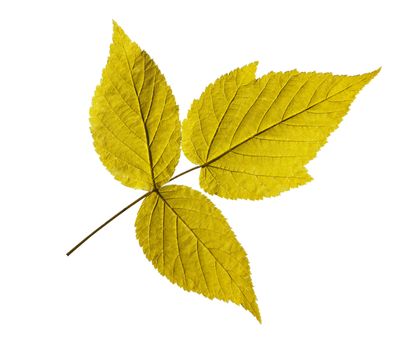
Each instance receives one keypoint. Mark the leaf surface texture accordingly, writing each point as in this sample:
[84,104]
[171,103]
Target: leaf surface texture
[253,137]
[190,242]
[134,117]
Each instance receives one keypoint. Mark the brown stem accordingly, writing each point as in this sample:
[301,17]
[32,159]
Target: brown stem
[184,172]
[123,210]
[107,222]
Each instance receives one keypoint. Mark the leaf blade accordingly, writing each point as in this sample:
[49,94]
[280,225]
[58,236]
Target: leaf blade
[273,127]
[189,241]
[134,117]
[218,97]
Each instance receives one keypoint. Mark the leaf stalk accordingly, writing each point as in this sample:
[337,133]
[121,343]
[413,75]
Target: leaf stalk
[123,210]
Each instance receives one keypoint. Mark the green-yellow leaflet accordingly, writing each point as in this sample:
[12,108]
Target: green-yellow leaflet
[250,137]
[253,137]
[134,117]
[189,241]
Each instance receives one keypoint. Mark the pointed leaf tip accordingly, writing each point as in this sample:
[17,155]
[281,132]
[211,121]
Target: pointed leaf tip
[116,27]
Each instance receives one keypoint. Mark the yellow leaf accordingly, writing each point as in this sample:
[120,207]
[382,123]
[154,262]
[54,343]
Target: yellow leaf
[134,117]
[190,242]
[253,137]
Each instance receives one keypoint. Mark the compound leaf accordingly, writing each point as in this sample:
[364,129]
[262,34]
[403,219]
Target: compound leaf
[190,242]
[253,137]
[134,117]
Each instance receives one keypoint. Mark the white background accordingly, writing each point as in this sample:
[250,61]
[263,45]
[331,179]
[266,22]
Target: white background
[334,262]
